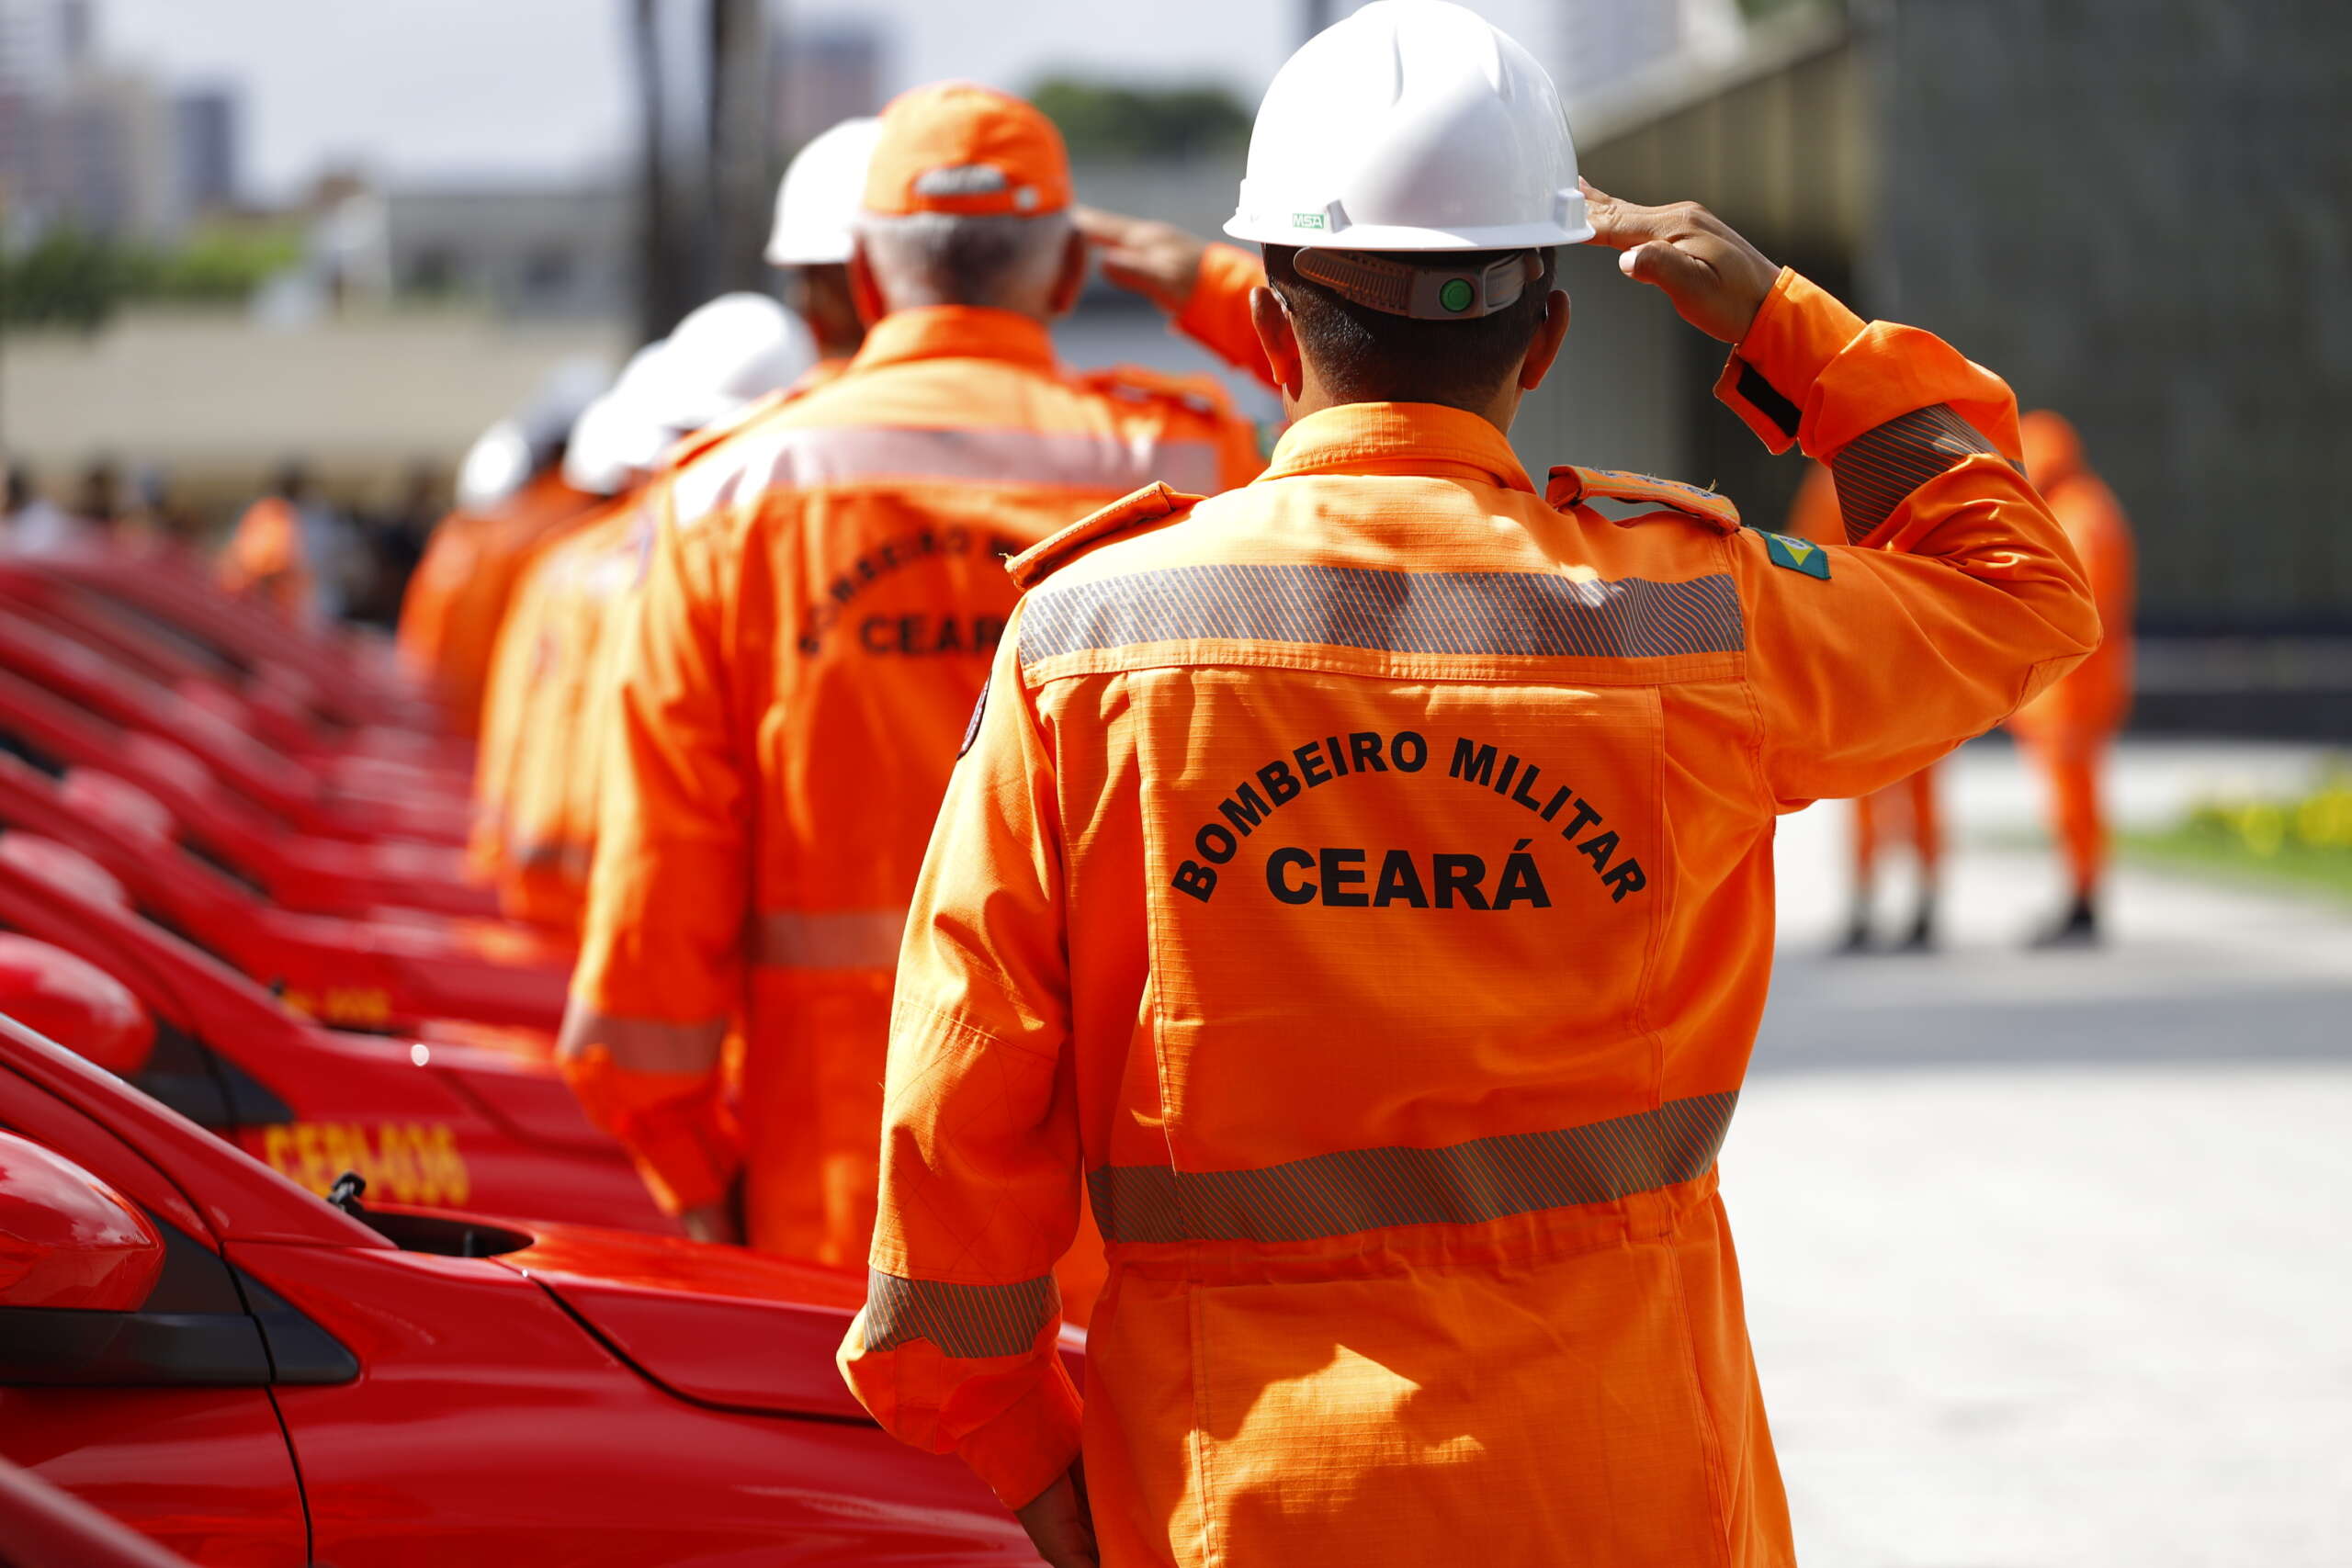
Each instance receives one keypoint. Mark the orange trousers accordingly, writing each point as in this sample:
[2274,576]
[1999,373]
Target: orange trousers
[1907,809]
[2072,762]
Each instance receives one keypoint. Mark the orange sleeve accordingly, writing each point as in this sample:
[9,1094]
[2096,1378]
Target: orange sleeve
[1958,598]
[1218,316]
[955,1350]
[660,966]
[505,726]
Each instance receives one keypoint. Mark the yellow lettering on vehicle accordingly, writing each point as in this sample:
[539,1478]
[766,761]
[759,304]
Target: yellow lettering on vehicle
[403,1162]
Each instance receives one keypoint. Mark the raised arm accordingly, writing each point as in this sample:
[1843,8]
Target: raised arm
[1955,597]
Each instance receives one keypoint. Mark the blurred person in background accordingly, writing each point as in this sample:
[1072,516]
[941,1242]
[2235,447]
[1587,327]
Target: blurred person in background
[816,205]
[1406,1151]
[825,590]
[2067,730]
[538,769]
[511,500]
[394,538]
[34,523]
[1908,810]
[294,550]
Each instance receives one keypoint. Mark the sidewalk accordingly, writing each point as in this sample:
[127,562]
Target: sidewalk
[2047,1254]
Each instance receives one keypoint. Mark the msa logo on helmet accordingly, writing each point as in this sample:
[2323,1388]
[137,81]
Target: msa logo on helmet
[1307,220]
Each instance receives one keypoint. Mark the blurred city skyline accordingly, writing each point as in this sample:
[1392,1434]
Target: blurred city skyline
[455,90]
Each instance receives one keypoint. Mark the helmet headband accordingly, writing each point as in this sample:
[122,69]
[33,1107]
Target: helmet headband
[1435,293]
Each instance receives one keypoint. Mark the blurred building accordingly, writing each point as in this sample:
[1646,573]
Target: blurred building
[110,151]
[2134,209]
[207,125]
[823,74]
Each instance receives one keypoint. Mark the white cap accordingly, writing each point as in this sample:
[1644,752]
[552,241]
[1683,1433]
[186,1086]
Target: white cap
[610,439]
[1412,125]
[729,351]
[496,466]
[819,195]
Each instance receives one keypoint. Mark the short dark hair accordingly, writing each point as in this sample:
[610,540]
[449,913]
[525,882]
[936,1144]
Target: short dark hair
[1370,356]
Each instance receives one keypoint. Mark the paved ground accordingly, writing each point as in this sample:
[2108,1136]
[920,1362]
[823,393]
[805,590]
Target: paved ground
[2049,1257]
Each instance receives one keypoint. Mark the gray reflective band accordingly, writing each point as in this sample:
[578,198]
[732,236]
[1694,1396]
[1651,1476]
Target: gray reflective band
[850,454]
[970,1321]
[1507,613]
[828,938]
[1367,1190]
[1882,465]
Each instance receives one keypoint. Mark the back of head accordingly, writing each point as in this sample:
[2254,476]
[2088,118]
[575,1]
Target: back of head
[1410,172]
[966,202]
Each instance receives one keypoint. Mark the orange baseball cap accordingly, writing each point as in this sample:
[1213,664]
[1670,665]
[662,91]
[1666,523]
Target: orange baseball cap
[961,148]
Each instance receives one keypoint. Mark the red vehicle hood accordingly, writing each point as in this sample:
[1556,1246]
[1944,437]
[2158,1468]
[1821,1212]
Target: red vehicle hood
[716,1324]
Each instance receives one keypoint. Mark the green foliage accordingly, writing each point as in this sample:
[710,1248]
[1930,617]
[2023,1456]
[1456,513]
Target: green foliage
[2306,840]
[1110,122]
[69,279]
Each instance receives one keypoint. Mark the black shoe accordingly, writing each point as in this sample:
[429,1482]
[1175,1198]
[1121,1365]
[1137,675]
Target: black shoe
[1856,938]
[2077,927]
[1921,937]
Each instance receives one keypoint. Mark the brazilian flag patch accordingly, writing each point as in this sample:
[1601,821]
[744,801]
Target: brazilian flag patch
[1797,555]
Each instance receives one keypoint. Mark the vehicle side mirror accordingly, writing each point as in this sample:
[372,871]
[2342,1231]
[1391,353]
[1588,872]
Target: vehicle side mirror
[93,1293]
[75,1003]
[67,1240]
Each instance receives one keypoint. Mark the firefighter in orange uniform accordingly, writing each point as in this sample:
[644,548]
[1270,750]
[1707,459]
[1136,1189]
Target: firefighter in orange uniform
[512,500]
[825,592]
[816,207]
[2067,730]
[1909,808]
[1360,884]
[289,550]
[538,777]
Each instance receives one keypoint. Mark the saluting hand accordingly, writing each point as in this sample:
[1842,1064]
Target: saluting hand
[1717,280]
[1158,261]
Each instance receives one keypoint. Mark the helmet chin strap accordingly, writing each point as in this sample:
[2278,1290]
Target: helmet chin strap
[1432,293]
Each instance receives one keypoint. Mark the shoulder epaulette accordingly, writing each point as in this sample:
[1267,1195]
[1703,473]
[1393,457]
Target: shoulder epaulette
[1047,556]
[1571,485]
[1201,394]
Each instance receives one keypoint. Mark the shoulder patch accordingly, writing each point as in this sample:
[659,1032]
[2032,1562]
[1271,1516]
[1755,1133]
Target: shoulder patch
[1135,383]
[1047,556]
[1571,485]
[1797,555]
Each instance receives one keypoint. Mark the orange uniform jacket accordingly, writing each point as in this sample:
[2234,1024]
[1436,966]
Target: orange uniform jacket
[536,772]
[1363,881]
[825,594]
[456,601]
[264,556]
[1815,515]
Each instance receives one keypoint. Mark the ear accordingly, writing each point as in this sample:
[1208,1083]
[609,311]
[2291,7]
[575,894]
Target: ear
[863,291]
[1278,336]
[1549,335]
[1071,278]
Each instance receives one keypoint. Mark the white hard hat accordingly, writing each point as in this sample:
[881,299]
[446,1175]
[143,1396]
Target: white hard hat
[494,466]
[609,440]
[563,394]
[819,195]
[736,348]
[1412,125]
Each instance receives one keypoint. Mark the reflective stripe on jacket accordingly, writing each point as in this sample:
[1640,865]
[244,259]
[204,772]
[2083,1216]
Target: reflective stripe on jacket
[825,592]
[1359,885]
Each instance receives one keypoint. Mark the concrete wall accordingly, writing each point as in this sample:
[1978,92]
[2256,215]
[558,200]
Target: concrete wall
[2140,212]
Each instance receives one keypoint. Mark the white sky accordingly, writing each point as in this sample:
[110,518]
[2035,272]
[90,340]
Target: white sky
[478,87]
